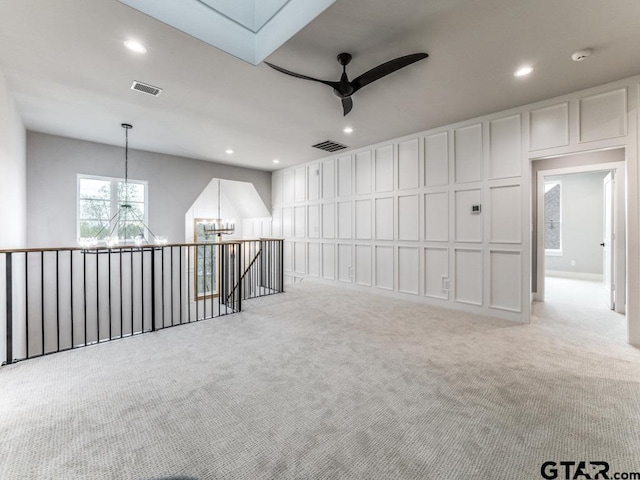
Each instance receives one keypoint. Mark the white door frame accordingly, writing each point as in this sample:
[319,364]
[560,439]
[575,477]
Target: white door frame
[619,248]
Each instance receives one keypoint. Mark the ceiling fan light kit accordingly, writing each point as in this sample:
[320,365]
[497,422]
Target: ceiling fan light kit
[344,88]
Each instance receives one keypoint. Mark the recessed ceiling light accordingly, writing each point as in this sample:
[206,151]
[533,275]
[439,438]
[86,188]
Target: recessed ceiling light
[276,161]
[347,130]
[135,46]
[228,151]
[523,71]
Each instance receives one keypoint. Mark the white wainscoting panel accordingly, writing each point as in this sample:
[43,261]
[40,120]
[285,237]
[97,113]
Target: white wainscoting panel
[603,116]
[344,219]
[468,154]
[384,219]
[363,219]
[409,164]
[287,222]
[300,184]
[300,222]
[287,186]
[384,267]
[328,179]
[314,259]
[314,221]
[276,225]
[549,127]
[436,266]
[363,173]
[300,258]
[468,276]
[328,220]
[363,265]
[328,261]
[409,270]
[314,182]
[506,147]
[506,214]
[344,262]
[506,280]
[344,177]
[409,217]
[468,225]
[436,160]
[436,217]
[384,169]
[287,253]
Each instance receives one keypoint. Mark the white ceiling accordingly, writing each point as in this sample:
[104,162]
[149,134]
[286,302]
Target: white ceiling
[70,74]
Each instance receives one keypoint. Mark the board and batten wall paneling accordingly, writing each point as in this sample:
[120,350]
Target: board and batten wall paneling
[384,218]
[409,164]
[468,226]
[300,184]
[328,261]
[409,270]
[468,154]
[364,263]
[549,127]
[436,217]
[384,169]
[328,220]
[363,216]
[300,222]
[603,116]
[344,262]
[506,147]
[468,276]
[287,222]
[287,186]
[328,179]
[300,258]
[408,217]
[363,173]
[313,215]
[343,177]
[287,253]
[344,220]
[436,160]
[505,225]
[384,267]
[436,271]
[314,259]
[506,280]
[314,182]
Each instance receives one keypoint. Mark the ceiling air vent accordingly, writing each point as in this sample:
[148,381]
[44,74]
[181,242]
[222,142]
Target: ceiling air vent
[329,146]
[144,88]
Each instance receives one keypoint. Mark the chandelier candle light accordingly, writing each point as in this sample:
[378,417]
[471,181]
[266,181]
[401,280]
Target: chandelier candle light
[124,214]
[219,227]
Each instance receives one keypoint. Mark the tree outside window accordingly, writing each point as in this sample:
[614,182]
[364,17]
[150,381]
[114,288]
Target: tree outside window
[99,201]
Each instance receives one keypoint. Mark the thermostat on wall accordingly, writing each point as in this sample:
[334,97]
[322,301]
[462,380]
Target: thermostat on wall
[475,209]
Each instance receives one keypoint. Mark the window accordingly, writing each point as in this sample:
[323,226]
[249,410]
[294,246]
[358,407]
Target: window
[553,218]
[206,261]
[107,207]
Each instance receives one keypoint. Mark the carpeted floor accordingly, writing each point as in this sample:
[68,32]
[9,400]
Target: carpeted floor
[327,383]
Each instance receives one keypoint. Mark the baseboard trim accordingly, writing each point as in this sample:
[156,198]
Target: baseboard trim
[576,275]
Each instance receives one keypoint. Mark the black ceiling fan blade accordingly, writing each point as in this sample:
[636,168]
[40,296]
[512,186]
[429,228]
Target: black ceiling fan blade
[304,77]
[386,69]
[347,105]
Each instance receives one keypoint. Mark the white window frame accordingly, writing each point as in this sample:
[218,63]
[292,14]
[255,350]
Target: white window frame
[554,252]
[114,197]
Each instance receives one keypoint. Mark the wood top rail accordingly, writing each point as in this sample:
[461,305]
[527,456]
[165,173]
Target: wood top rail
[150,246]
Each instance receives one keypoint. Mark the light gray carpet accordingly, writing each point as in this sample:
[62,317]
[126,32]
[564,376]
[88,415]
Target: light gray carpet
[325,383]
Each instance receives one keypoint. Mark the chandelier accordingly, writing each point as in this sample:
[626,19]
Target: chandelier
[125,215]
[219,227]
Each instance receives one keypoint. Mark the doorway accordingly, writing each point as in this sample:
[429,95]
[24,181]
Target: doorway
[579,231]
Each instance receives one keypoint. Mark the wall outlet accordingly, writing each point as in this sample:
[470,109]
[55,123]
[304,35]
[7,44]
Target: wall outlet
[573,263]
[445,283]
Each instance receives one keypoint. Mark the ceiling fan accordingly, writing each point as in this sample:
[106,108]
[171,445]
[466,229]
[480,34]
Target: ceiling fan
[345,88]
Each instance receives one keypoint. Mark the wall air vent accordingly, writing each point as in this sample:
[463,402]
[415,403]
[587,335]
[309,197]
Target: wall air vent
[145,88]
[329,146]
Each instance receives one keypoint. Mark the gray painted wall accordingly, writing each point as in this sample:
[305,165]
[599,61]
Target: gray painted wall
[174,183]
[582,220]
[13,187]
